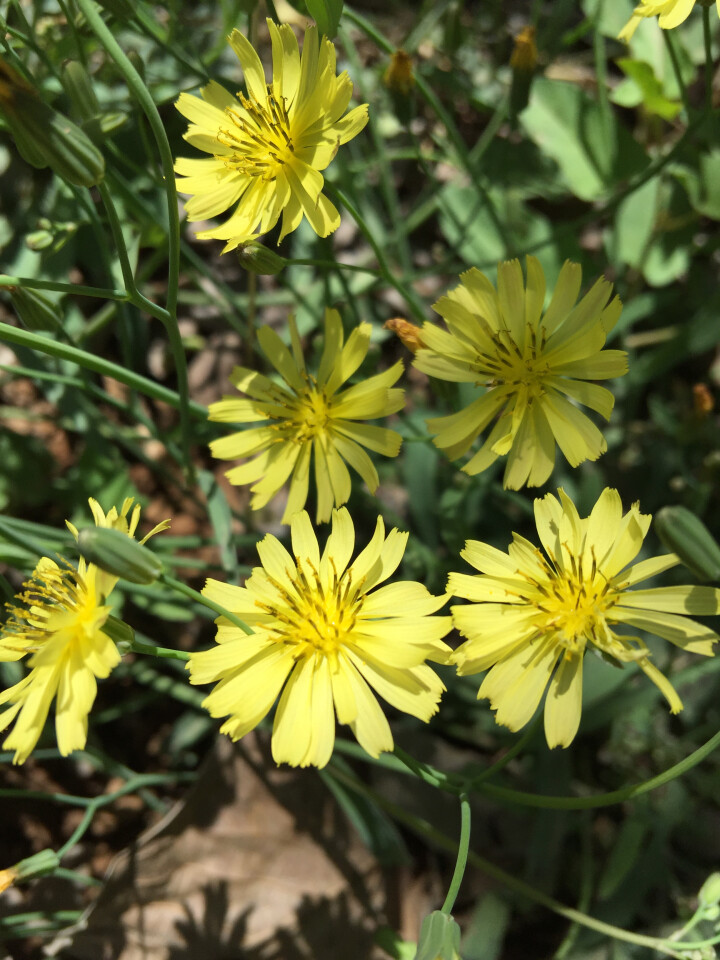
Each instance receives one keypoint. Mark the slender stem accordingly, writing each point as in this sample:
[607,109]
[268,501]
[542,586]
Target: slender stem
[462,855]
[26,338]
[603,799]
[142,95]
[428,832]
[187,591]
[416,307]
[672,52]
[149,649]
[709,64]
[79,830]
[119,238]
[73,288]
[426,773]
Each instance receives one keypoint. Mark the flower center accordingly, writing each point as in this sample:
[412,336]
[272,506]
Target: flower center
[301,416]
[56,598]
[574,605]
[507,363]
[259,137]
[312,618]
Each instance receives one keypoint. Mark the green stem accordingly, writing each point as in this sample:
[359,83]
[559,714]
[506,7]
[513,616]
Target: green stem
[672,52]
[426,773]
[709,65]
[425,830]
[142,95]
[150,650]
[63,351]
[164,316]
[462,855]
[73,288]
[603,799]
[187,591]
[416,307]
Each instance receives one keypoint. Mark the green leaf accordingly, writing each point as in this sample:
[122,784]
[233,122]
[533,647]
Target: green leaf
[326,14]
[648,90]
[593,151]
[634,223]
[487,928]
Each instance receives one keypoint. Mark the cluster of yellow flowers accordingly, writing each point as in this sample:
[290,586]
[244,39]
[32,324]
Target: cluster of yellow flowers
[329,632]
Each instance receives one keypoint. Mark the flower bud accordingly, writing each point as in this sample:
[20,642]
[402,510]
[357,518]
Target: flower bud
[399,76]
[35,311]
[44,137]
[255,258]
[408,332]
[45,861]
[687,536]
[77,85]
[118,554]
[710,891]
[523,62]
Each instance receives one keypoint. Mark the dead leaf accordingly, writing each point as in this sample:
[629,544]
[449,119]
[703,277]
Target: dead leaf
[256,863]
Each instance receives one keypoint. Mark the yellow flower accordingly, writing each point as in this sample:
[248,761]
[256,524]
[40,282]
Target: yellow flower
[309,415]
[533,616]
[527,360]
[58,619]
[670,13]
[269,146]
[324,636]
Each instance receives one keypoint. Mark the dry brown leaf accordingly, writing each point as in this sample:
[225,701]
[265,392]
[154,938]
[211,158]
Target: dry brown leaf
[256,863]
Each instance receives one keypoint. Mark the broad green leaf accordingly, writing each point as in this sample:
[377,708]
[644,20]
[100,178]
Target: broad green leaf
[593,151]
[634,223]
[643,82]
[326,13]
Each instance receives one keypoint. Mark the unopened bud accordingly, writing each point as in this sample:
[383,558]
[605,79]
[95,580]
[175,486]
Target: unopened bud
[255,258]
[524,55]
[35,311]
[45,137]
[710,890]
[408,332]
[76,83]
[118,554]
[523,62]
[687,536]
[399,76]
[703,400]
[39,864]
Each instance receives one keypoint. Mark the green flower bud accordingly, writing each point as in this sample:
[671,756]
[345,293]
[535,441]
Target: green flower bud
[687,536]
[35,311]
[118,554]
[45,861]
[710,891]
[44,137]
[76,83]
[255,258]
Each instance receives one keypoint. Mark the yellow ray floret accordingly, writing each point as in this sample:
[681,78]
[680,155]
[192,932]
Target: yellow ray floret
[670,13]
[534,364]
[268,145]
[309,418]
[533,615]
[59,621]
[324,638]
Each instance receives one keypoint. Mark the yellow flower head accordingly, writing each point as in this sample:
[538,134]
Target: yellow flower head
[58,620]
[534,615]
[670,13]
[533,364]
[269,145]
[309,416]
[324,636]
